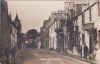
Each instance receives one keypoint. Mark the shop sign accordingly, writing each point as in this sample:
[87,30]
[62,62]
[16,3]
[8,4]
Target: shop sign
[87,26]
[58,30]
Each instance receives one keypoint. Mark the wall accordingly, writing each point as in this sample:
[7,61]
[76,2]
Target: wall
[94,12]
[13,36]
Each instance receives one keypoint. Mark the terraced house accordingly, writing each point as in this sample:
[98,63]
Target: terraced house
[83,28]
[77,25]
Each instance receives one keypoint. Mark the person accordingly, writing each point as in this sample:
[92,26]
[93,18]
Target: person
[85,51]
[13,51]
[81,51]
[6,53]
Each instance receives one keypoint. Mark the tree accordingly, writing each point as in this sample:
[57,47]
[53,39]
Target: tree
[31,34]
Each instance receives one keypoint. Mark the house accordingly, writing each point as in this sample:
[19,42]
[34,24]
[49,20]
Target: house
[44,34]
[54,23]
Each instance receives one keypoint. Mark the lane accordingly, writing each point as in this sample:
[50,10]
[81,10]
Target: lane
[37,56]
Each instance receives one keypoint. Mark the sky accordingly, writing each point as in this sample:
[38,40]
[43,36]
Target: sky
[33,13]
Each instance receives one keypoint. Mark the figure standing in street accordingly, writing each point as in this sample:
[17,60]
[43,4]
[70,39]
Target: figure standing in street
[85,51]
[13,51]
[6,53]
[81,50]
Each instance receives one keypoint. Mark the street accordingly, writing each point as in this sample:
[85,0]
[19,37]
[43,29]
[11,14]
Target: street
[38,56]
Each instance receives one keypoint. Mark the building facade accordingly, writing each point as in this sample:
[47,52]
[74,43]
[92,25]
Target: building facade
[13,30]
[82,28]
[44,34]
[55,23]
[4,27]
[76,26]
[19,28]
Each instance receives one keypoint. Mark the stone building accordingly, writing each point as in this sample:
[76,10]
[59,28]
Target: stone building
[19,28]
[4,27]
[13,31]
[9,29]
[5,35]
[0,22]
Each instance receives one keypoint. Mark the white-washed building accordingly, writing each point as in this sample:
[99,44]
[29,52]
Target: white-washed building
[88,26]
[54,23]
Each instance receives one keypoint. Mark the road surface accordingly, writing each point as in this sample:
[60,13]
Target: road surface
[37,56]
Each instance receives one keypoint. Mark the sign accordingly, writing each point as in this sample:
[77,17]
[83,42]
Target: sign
[58,30]
[87,26]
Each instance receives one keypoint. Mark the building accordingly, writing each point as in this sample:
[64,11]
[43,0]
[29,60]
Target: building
[55,23]
[4,27]
[0,24]
[9,30]
[5,35]
[44,34]
[38,42]
[19,28]
[13,31]
[24,38]
[83,28]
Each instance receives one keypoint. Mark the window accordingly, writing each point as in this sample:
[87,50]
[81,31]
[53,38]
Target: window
[83,18]
[58,24]
[55,24]
[83,38]
[99,39]
[72,14]
[90,14]
[99,9]
[51,28]
[65,40]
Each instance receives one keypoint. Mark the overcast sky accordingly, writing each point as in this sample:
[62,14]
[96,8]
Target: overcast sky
[33,13]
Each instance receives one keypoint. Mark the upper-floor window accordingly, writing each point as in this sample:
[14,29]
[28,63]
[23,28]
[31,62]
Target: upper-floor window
[90,14]
[83,18]
[83,38]
[58,23]
[72,14]
[99,9]
[54,25]
[51,28]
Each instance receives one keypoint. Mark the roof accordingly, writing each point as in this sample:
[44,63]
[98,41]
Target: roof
[55,15]
[16,18]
